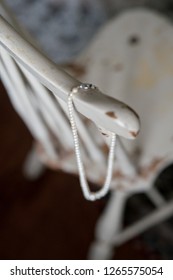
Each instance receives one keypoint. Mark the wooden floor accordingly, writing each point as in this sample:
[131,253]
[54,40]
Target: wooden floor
[47,218]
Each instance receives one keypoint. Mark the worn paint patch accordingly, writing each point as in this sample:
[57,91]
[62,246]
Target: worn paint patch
[151,168]
[134,40]
[105,149]
[112,115]
[76,69]
[134,133]
[118,174]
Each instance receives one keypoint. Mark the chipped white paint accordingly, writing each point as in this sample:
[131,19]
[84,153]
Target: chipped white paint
[131,59]
[60,83]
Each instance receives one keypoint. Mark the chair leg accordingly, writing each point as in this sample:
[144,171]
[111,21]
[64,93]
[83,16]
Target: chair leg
[156,217]
[33,168]
[108,225]
[156,198]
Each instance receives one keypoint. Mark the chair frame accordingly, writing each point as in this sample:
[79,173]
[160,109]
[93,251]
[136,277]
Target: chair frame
[109,232]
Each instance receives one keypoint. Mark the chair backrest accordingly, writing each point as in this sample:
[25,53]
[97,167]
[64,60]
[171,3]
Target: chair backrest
[132,59]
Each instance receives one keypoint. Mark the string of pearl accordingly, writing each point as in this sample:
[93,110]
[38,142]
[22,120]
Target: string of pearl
[92,196]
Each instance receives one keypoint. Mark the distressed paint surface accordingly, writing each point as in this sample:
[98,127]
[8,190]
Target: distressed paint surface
[132,59]
[128,61]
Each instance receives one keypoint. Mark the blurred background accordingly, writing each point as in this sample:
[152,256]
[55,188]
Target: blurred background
[48,218]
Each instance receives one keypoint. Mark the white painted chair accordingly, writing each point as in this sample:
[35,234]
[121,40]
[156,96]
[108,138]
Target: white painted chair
[124,61]
[132,59]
